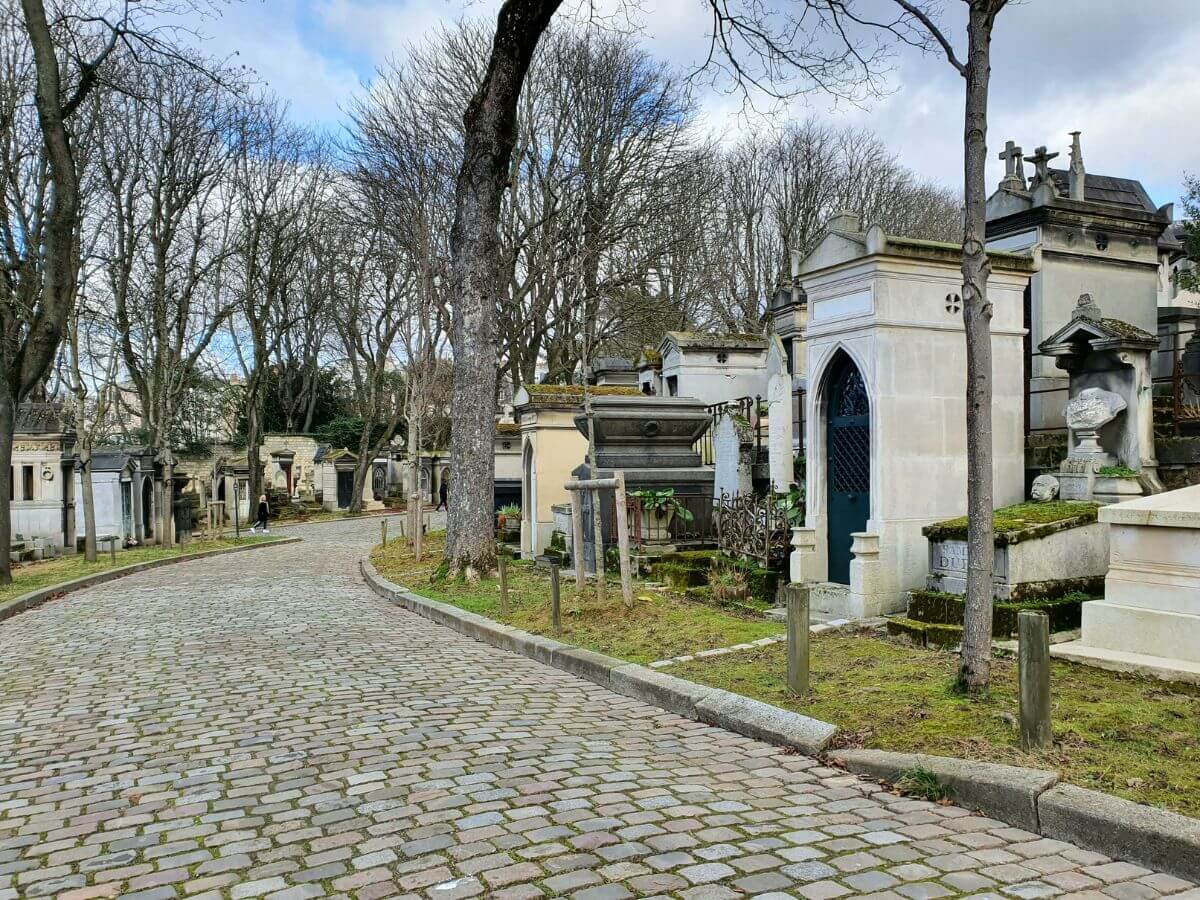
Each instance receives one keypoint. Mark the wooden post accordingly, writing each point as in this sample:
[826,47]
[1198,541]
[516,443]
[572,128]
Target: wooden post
[555,608]
[112,550]
[623,540]
[383,532]
[502,567]
[598,546]
[1033,675]
[797,633]
[412,518]
[577,540]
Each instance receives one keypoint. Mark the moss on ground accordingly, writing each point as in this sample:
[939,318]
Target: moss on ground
[1133,737]
[661,624]
[37,575]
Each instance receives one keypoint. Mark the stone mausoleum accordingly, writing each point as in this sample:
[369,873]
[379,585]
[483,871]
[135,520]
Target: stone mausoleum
[885,413]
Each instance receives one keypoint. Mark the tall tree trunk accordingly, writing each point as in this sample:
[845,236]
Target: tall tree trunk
[490,132]
[254,447]
[89,505]
[25,365]
[975,665]
[7,426]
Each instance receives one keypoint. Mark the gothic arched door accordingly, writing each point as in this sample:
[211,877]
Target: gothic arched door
[848,463]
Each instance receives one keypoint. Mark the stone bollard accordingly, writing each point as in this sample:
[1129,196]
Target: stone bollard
[1033,674]
[797,643]
[112,550]
[555,609]
[502,568]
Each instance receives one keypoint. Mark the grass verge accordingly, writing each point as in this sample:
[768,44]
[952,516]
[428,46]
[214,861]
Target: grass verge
[1120,734]
[661,623]
[37,575]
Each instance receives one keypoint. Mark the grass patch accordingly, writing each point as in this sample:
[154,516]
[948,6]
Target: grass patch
[1133,737]
[661,624]
[921,783]
[1021,521]
[47,573]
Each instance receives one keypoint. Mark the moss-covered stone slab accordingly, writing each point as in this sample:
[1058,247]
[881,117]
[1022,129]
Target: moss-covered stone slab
[1021,522]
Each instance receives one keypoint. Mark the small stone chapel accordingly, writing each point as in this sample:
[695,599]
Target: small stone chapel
[885,409]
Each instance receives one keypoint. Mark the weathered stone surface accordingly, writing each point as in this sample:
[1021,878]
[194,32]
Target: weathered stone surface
[765,722]
[675,694]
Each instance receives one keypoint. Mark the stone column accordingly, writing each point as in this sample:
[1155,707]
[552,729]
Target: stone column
[779,431]
[867,592]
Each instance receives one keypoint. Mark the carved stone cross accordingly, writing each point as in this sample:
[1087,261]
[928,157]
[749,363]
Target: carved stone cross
[1010,155]
[1014,166]
[1041,159]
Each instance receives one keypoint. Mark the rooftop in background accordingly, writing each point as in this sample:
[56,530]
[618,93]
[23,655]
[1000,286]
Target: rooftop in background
[41,418]
[700,340]
[1127,192]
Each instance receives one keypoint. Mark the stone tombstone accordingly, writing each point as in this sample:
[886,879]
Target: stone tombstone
[779,412]
[1110,412]
[733,456]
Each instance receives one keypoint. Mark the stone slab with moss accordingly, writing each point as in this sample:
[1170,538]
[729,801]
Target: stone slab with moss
[661,624]
[1133,737]
[1042,550]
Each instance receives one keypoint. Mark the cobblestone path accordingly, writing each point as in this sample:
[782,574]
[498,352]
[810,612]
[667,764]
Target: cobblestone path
[262,725]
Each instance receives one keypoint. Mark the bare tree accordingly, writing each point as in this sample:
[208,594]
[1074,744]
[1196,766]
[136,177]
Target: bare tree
[53,65]
[165,165]
[279,188]
[841,47]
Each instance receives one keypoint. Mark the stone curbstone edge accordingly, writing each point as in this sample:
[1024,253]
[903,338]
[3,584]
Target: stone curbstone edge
[1123,829]
[711,706]
[1031,799]
[34,599]
[1008,793]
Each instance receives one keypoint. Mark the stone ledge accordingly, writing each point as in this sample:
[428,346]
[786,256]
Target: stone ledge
[1159,667]
[36,598]
[1008,793]
[694,701]
[1123,829]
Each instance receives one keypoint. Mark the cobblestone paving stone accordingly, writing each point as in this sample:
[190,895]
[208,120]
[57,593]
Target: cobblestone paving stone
[263,726]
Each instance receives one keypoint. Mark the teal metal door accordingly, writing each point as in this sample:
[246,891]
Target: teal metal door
[848,464]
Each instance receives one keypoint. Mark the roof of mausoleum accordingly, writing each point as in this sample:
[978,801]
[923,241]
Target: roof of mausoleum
[701,340]
[40,418]
[565,396]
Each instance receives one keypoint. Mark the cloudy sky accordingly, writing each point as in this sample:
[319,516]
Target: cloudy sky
[1124,72]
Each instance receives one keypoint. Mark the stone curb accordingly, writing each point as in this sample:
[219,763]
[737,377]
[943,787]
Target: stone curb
[36,598]
[1033,799]
[1008,793]
[685,698]
[1123,829]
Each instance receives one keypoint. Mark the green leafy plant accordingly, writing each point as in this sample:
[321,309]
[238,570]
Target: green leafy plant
[512,510]
[661,501]
[1116,472]
[793,504]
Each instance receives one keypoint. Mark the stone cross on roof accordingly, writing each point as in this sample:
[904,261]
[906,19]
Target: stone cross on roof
[1041,159]
[1014,166]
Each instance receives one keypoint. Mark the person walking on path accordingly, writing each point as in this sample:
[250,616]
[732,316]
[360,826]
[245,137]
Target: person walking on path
[264,510]
[443,491]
